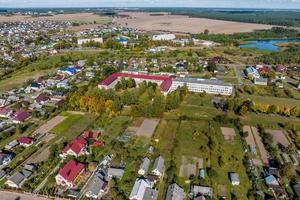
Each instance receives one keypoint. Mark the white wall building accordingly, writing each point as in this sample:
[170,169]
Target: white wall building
[81,41]
[210,86]
[164,37]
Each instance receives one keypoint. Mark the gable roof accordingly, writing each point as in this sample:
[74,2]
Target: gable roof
[71,170]
[175,192]
[25,140]
[138,189]
[159,164]
[21,116]
[76,145]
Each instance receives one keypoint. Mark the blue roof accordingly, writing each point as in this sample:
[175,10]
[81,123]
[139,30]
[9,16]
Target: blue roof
[121,39]
[202,173]
[34,84]
[270,179]
[69,69]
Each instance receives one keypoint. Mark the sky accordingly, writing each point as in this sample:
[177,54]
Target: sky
[279,4]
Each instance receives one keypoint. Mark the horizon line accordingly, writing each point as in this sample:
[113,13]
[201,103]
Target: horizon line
[130,7]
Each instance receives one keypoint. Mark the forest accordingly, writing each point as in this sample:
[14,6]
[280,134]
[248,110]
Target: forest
[273,17]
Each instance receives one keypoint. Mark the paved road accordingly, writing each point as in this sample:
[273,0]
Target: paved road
[5,195]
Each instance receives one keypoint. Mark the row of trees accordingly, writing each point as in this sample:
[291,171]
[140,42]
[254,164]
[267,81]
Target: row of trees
[146,100]
[242,107]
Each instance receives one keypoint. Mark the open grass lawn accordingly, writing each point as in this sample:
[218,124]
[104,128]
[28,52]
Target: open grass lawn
[194,142]
[268,120]
[73,125]
[164,135]
[273,100]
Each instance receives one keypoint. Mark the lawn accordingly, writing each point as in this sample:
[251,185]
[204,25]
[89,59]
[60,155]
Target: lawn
[194,142]
[73,125]
[273,100]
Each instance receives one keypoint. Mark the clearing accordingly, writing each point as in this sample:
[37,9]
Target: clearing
[228,134]
[147,128]
[279,137]
[183,24]
[263,152]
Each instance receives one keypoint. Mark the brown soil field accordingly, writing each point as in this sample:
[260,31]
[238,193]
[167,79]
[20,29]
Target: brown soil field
[45,128]
[279,137]
[147,128]
[228,134]
[189,166]
[263,152]
[183,24]
[76,17]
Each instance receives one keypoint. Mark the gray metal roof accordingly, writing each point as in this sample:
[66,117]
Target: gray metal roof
[17,178]
[201,81]
[159,164]
[150,194]
[115,172]
[96,185]
[145,165]
[175,192]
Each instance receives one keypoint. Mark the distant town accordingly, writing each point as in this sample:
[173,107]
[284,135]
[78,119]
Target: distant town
[97,105]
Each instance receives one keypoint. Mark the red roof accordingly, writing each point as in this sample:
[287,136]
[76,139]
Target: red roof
[76,145]
[98,144]
[88,134]
[71,170]
[165,85]
[21,115]
[25,140]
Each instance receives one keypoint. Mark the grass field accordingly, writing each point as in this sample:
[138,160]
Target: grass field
[73,125]
[273,100]
[194,142]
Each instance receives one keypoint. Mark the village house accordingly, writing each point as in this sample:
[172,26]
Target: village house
[158,167]
[5,158]
[144,166]
[198,190]
[42,99]
[21,116]
[138,190]
[260,81]
[96,188]
[25,141]
[68,173]
[175,192]
[76,147]
[234,178]
[18,178]
[251,71]
[6,112]
[115,172]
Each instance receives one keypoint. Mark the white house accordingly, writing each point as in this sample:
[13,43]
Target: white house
[144,166]
[139,188]
[261,81]
[234,177]
[159,166]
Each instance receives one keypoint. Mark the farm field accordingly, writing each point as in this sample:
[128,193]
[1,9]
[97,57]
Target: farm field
[76,17]
[273,100]
[184,24]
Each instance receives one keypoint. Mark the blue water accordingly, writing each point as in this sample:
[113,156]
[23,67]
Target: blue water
[267,45]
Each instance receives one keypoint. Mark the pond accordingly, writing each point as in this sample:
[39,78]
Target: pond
[267,45]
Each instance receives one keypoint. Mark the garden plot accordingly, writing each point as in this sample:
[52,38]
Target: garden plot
[263,152]
[252,145]
[228,134]
[189,166]
[147,128]
[279,137]
[45,128]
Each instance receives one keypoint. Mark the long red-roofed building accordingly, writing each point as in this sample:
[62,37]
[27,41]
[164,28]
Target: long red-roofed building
[76,147]
[168,84]
[110,82]
[68,173]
